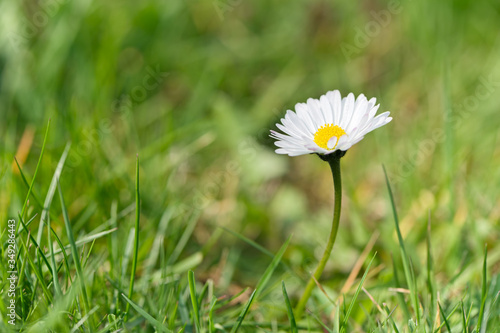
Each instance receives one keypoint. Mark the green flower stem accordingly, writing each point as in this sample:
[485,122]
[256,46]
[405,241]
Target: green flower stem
[334,162]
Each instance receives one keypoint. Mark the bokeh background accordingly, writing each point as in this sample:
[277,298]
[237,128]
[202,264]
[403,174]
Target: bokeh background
[194,87]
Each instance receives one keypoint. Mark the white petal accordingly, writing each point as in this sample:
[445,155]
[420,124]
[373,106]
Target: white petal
[359,108]
[374,110]
[312,146]
[379,121]
[372,102]
[332,142]
[316,113]
[342,141]
[375,123]
[335,100]
[304,114]
[326,109]
[288,130]
[347,106]
[293,122]
[285,144]
[356,141]
[292,152]
[284,137]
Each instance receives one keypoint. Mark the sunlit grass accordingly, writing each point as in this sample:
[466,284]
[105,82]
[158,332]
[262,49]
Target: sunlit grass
[195,95]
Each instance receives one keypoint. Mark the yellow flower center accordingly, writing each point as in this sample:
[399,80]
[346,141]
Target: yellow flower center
[325,133]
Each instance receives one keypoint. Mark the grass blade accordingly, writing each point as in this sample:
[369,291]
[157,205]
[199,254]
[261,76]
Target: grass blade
[211,327]
[34,175]
[406,266]
[35,269]
[249,242]
[389,317]
[74,253]
[51,192]
[336,320]
[484,291]
[84,319]
[55,278]
[83,241]
[270,269]
[136,238]
[258,247]
[293,324]
[193,220]
[464,320]
[262,283]
[46,216]
[468,316]
[444,318]
[351,306]
[320,321]
[194,299]
[430,275]
[243,313]
[159,326]
[36,200]
[400,296]
[25,228]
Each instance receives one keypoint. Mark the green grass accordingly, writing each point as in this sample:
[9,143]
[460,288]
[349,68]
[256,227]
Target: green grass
[205,243]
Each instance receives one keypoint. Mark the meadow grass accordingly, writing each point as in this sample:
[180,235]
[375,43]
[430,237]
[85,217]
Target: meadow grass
[136,163]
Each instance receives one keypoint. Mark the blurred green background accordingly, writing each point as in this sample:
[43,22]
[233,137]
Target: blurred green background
[194,87]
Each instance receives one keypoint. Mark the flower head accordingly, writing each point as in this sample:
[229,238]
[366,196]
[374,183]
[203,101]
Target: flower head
[327,124]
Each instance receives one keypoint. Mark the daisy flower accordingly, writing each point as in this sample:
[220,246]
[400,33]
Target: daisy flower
[328,124]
